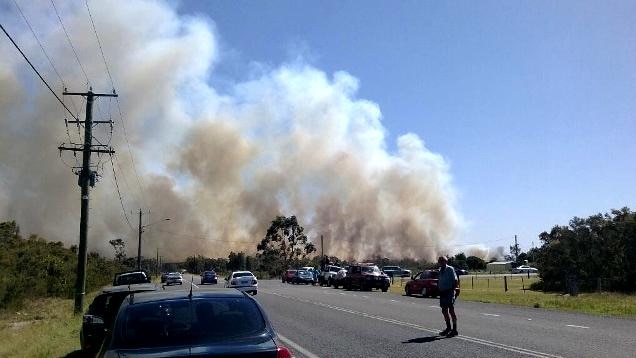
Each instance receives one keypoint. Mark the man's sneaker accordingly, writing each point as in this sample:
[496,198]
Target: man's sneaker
[445,332]
[452,333]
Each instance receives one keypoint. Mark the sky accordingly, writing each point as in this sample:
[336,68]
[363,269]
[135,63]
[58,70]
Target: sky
[532,103]
[410,128]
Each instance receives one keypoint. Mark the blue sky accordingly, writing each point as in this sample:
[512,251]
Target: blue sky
[532,103]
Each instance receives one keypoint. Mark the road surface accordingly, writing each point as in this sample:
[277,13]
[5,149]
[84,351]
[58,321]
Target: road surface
[325,322]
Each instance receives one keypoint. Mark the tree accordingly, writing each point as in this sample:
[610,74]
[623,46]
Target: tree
[120,249]
[475,263]
[285,244]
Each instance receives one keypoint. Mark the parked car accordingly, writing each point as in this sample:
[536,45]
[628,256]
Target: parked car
[242,281]
[288,275]
[424,283]
[366,276]
[460,272]
[101,314]
[131,277]
[303,276]
[524,269]
[396,271]
[329,272]
[174,278]
[202,323]
[338,280]
[209,277]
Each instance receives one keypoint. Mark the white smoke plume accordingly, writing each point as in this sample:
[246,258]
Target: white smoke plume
[292,140]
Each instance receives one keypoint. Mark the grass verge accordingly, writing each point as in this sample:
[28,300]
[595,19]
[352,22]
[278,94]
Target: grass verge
[491,290]
[42,328]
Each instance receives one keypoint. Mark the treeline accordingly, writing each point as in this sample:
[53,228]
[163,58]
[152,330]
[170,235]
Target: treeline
[588,252]
[32,267]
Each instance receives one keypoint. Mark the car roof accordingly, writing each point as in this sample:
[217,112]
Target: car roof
[145,297]
[131,287]
[250,272]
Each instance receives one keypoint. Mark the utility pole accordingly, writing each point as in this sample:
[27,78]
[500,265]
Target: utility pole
[516,249]
[322,250]
[139,246]
[87,177]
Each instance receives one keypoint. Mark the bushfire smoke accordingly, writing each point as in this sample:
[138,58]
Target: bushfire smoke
[291,140]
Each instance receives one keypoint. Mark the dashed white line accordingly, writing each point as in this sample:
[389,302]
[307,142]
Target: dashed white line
[296,347]
[575,326]
[490,314]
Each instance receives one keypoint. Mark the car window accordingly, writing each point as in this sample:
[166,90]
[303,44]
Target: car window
[334,269]
[176,323]
[242,274]
[98,306]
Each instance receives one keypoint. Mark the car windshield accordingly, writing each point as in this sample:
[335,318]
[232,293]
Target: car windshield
[176,323]
[209,273]
[370,269]
[127,278]
[334,269]
[242,274]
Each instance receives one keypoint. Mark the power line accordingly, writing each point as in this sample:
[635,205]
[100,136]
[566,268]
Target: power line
[70,42]
[121,116]
[121,201]
[39,43]
[99,43]
[38,73]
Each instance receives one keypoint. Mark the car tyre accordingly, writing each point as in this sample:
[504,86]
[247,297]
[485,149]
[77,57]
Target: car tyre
[407,290]
[425,292]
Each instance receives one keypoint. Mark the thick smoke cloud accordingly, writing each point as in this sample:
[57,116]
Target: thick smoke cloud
[291,140]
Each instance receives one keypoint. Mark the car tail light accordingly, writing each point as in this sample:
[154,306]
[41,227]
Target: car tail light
[283,352]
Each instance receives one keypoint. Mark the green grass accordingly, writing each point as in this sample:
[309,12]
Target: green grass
[491,290]
[42,328]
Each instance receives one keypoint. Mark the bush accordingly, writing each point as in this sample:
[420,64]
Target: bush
[33,268]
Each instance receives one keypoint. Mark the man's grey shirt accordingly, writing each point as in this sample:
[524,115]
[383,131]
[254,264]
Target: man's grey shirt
[447,278]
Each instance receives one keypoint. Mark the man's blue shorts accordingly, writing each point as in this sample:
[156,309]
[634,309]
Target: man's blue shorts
[447,298]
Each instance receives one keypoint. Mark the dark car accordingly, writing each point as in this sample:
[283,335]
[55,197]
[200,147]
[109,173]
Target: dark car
[101,314]
[203,323]
[366,277]
[424,283]
[288,276]
[131,277]
[209,277]
[303,276]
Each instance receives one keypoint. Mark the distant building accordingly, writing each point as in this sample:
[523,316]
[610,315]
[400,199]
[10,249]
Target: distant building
[499,267]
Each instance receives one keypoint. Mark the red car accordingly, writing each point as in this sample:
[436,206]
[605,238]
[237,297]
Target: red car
[425,284]
[289,275]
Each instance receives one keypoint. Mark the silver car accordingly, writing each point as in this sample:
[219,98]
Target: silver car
[242,281]
[174,278]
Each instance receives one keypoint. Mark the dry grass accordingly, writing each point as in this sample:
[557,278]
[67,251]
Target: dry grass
[43,328]
[491,290]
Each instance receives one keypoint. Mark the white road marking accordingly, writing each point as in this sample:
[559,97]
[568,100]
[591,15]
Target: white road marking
[575,326]
[431,306]
[476,340]
[342,293]
[490,314]
[296,347]
[393,300]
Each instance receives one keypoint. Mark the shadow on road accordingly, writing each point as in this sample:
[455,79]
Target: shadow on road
[424,339]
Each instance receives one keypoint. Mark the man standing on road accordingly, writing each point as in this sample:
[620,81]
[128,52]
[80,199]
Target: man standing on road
[447,283]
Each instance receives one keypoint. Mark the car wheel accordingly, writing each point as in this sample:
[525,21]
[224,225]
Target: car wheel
[407,290]
[424,292]
[384,289]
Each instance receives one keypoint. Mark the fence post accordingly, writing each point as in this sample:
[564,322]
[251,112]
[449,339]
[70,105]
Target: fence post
[488,282]
[472,280]
[506,283]
[598,284]
[523,286]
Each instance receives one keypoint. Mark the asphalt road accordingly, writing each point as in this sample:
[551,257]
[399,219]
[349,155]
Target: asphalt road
[325,322]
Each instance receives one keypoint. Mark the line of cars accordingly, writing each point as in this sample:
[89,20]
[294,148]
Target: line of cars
[135,318]
[362,276]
